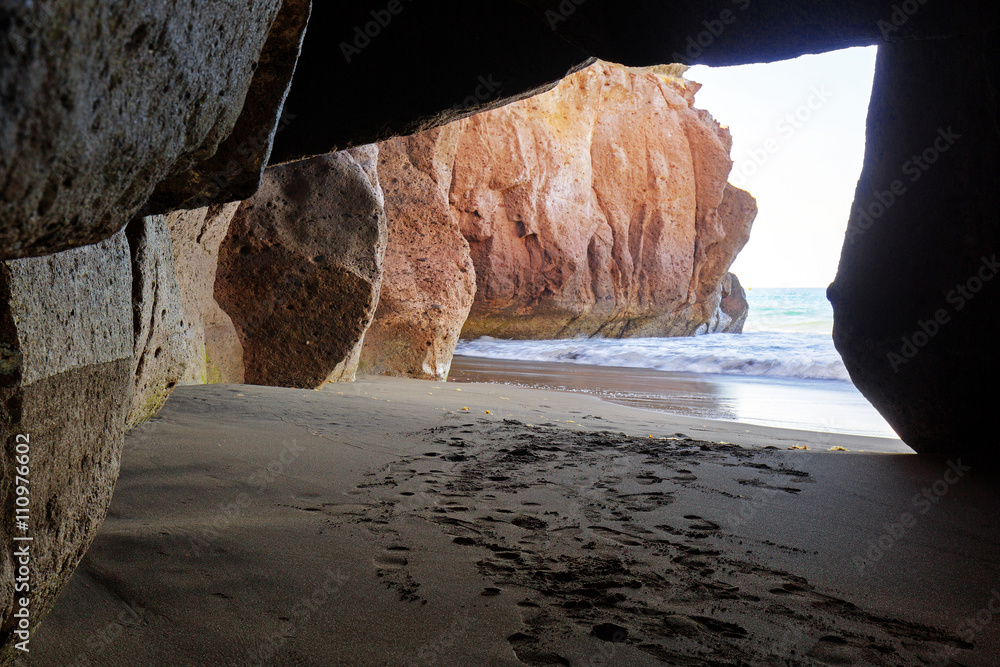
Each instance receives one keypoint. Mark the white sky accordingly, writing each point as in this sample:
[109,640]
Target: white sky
[809,165]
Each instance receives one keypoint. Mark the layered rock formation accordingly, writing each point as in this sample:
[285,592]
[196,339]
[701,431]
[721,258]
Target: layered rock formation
[428,278]
[599,208]
[66,382]
[301,266]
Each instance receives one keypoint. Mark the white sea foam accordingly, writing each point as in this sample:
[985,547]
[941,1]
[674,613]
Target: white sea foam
[762,354]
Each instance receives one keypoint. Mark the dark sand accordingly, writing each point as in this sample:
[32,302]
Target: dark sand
[380,523]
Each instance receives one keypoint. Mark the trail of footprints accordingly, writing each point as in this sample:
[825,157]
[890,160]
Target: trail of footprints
[677,593]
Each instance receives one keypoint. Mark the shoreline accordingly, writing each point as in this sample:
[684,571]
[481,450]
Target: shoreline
[382,523]
[812,405]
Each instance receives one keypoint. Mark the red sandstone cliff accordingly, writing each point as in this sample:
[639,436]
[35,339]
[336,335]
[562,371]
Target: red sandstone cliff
[599,208]
[427,276]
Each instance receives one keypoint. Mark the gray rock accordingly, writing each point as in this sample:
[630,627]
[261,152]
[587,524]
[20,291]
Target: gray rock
[214,349]
[100,102]
[160,353]
[234,171]
[66,382]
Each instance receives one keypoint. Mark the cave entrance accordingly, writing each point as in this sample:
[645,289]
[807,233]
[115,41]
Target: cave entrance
[798,130]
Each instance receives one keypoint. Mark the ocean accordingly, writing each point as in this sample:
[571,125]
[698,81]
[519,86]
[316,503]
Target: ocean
[782,371]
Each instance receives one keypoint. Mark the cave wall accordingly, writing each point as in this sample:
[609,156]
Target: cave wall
[916,294]
[66,383]
[108,110]
[103,103]
[215,354]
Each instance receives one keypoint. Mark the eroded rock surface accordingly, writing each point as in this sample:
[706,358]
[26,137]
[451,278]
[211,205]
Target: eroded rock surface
[214,348]
[160,352]
[599,208]
[301,266]
[428,278]
[66,381]
[101,102]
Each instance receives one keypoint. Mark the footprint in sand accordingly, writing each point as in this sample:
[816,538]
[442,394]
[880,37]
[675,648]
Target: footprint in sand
[804,591]
[648,479]
[700,525]
[616,536]
[723,628]
[390,560]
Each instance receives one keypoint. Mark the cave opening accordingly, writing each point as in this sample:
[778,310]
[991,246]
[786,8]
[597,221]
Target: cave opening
[798,137]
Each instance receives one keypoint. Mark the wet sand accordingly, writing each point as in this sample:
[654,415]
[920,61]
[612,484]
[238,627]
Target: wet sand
[832,406]
[382,523]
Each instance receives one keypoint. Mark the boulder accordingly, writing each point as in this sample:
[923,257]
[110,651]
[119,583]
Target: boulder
[733,305]
[428,279]
[101,102]
[215,354]
[66,381]
[301,266]
[599,208]
[160,353]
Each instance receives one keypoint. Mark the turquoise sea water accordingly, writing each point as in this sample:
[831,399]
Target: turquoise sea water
[782,371]
[787,335]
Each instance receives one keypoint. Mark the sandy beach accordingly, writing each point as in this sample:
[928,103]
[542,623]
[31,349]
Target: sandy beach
[404,522]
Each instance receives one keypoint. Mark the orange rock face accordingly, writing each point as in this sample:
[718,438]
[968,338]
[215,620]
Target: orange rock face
[599,208]
[428,279]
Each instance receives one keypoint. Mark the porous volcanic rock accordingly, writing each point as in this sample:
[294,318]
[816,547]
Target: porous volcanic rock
[66,380]
[160,352]
[214,348]
[599,208]
[301,266]
[100,102]
[428,280]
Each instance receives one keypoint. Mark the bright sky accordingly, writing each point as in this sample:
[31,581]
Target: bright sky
[798,144]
